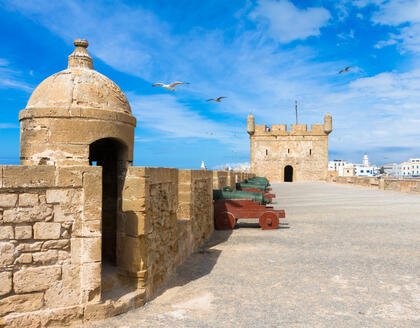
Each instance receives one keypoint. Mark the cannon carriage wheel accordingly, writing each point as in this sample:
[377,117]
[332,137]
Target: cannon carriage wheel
[225,221]
[269,220]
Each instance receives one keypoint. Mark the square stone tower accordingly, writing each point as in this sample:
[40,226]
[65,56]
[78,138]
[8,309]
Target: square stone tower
[286,156]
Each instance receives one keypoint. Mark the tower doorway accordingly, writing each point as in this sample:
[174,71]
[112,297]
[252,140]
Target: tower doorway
[288,173]
[111,155]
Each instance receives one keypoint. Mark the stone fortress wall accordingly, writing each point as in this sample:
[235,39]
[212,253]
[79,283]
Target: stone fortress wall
[50,238]
[275,150]
[83,234]
[411,186]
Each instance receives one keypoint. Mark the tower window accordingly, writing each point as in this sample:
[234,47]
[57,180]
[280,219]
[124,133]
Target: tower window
[266,152]
[310,152]
[288,150]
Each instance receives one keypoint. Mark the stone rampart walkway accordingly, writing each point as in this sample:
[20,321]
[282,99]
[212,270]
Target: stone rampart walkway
[350,257]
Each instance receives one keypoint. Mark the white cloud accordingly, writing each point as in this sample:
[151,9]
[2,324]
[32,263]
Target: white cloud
[396,12]
[167,115]
[241,166]
[8,126]
[385,43]
[405,16]
[10,78]
[286,22]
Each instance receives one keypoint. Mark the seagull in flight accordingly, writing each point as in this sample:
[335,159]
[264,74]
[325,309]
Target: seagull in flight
[169,86]
[217,99]
[344,70]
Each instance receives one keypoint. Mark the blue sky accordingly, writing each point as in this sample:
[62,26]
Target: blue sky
[261,54]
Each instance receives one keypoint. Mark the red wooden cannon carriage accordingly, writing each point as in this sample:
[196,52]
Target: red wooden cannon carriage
[266,193]
[228,211]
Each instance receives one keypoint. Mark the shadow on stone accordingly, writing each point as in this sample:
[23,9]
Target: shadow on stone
[198,264]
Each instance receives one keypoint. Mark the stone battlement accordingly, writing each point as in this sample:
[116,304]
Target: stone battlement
[295,130]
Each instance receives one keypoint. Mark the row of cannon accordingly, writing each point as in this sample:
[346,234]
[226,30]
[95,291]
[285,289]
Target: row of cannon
[249,201]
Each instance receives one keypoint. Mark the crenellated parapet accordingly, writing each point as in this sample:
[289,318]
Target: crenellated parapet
[316,129]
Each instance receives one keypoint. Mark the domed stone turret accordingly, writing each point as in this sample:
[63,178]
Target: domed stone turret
[71,110]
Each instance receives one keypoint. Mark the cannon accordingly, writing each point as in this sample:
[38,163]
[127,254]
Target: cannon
[228,193]
[266,193]
[227,212]
[259,180]
[243,184]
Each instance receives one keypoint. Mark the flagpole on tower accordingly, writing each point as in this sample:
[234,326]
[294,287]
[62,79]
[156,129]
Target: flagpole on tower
[296,109]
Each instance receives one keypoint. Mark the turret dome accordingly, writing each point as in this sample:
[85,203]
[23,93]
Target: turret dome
[70,110]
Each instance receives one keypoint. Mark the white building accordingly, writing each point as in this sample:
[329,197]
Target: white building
[336,164]
[408,169]
[345,168]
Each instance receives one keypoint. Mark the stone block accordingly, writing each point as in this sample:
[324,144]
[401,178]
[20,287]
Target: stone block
[87,228]
[56,244]
[132,253]
[25,319]
[28,199]
[35,279]
[6,232]
[134,188]
[135,223]
[28,214]
[98,311]
[29,247]
[44,258]
[62,317]
[28,176]
[86,250]
[69,176]
[7,256]
[67,291]
[5,283]
[8,200]
[91,281]
[25,258]
[23,232]
[92,211]
[21,303]
[136,205]
[47,230]
[92,187]
[59,195]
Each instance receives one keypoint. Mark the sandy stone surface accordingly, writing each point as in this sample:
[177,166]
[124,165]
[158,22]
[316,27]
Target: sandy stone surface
[350,257]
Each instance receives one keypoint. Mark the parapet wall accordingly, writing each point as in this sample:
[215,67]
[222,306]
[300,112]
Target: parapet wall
[51,235]
[403,185]
[229,178]
[168,214]
[50,243]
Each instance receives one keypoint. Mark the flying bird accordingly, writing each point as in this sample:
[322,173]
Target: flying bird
[169,86]
[217,99]
[344,70]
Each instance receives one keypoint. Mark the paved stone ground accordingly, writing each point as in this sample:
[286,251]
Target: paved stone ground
[350,257]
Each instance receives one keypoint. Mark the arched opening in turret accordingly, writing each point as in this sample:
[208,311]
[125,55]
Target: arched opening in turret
[111,154]
[288,173]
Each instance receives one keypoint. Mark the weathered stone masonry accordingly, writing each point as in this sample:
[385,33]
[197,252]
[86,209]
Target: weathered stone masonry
[71,232]
[50,235]
[296,155]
